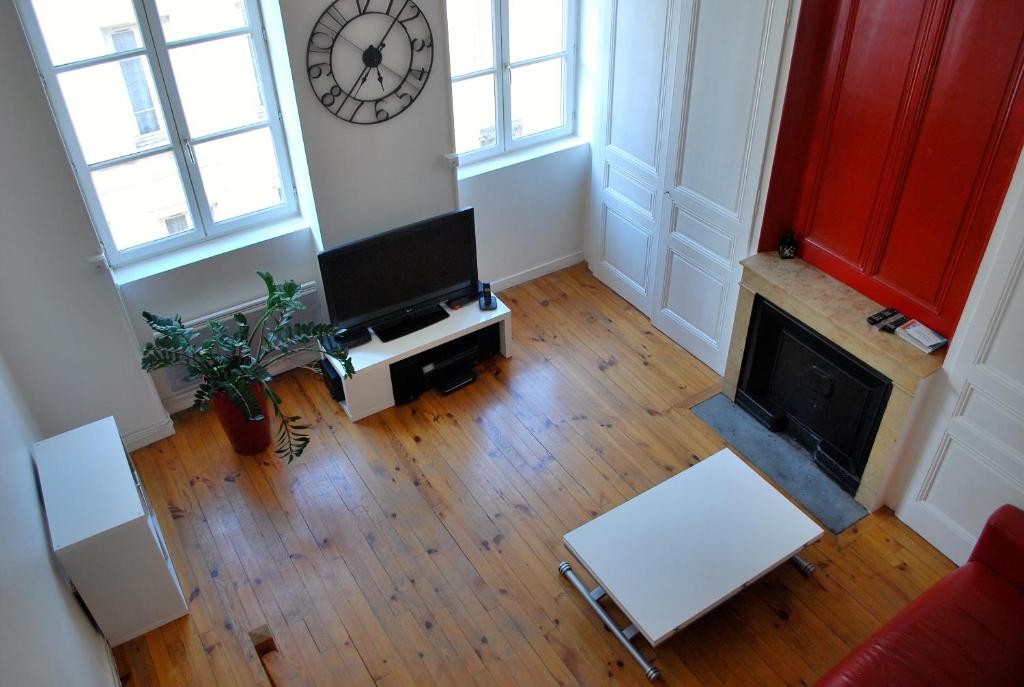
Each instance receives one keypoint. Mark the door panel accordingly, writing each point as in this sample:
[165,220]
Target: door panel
[698,232]
[630,191]
[721,99]
[728,65]
[640,51]
[863,96]
[698,293]
[626,247]
[629,155]
[966,468]
[972,460]
[949,160]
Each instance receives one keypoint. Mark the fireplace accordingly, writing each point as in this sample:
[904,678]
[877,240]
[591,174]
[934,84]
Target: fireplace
[835,313]
[796,381]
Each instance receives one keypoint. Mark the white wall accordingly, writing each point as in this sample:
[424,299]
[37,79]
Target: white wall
[368,179]
[45,639]
[220,283]
[64,331]
[530,216]
[208,286]
[362,180]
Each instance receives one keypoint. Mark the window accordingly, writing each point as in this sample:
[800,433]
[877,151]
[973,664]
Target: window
[513,64]
[175,224]
[140,91]
[168,113]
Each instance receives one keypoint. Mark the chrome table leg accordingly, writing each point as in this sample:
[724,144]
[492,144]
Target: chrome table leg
[623,634]
[805,567]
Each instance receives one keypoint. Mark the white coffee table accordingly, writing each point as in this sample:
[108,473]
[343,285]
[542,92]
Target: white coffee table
[671,554]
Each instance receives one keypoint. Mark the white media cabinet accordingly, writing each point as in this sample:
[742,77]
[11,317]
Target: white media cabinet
[104,532]
[369,390]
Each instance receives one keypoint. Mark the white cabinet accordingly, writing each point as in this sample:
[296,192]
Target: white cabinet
[104,532]
[681,149]
[369,390]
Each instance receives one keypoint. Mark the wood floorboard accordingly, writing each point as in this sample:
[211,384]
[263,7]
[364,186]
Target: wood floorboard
[420,546]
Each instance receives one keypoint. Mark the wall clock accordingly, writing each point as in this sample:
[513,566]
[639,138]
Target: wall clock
[368,60]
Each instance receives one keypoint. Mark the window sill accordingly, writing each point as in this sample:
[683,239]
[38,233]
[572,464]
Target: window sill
[204,250]
[516,157]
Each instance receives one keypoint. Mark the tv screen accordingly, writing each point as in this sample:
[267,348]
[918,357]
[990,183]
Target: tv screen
[377,278]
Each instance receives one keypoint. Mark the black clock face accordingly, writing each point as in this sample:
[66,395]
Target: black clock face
[368,60]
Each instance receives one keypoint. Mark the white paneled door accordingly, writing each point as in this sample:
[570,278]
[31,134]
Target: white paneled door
[972,459]
[629,163]
[728,68]
[679,164]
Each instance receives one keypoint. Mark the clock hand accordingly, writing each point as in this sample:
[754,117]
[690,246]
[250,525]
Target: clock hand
[380,45]
[380,80]
[366,70]
[382,64]
[351,92]
[392,25]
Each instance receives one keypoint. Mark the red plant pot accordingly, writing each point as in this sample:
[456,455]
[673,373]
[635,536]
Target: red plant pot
[247,436]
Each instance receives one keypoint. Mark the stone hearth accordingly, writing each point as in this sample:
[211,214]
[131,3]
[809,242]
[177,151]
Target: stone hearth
[836,312]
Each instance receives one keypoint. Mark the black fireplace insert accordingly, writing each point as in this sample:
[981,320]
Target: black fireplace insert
[796,381]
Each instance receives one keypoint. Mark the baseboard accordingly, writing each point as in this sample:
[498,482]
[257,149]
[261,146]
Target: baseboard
[115,674]
[148,435]
[538,271]
[181,400]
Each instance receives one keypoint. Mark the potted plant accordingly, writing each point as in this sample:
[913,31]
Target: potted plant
[234,362]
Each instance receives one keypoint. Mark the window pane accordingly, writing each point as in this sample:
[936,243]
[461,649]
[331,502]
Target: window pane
[240,174]
[535,28]
[190,18]
[177,224]
[470,35]
[75,30]
[473,104]
[537,98]
[114,108]
[218,85]
[142,200]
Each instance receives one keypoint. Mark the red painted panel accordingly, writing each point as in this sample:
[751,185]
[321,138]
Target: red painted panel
[934,227]
[917,127]
[869,70]
[814,33]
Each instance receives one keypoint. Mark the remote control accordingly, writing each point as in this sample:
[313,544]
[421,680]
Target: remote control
[890,326]
[881,316]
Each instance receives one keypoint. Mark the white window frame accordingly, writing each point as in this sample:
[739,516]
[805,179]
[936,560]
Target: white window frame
[502,66]
[180,142]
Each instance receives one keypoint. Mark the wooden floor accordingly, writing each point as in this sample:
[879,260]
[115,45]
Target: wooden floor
[420,546]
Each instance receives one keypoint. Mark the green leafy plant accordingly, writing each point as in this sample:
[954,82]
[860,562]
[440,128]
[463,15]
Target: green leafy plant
[237,356]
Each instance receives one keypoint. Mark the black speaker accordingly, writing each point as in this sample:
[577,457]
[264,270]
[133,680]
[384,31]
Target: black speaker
[332,380]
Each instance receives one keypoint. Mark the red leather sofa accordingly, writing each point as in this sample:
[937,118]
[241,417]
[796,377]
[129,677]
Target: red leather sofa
[966,630]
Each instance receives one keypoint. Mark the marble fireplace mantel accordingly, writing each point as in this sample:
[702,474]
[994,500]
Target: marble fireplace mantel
[838,313]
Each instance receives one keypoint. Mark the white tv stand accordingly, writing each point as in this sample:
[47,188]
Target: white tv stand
[369,390]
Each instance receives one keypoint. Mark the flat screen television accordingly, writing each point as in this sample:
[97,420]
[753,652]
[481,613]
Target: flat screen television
[383,277]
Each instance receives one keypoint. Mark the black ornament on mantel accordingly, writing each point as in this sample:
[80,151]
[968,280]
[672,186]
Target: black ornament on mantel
[787,246]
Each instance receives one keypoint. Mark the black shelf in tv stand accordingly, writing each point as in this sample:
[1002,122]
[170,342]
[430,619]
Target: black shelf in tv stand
[409,322]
